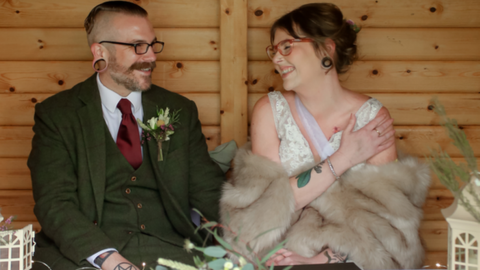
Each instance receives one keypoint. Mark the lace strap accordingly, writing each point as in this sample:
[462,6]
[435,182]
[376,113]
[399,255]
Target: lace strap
[367,112]
[273,97]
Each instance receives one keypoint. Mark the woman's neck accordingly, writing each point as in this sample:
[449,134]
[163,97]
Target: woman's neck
[322,95]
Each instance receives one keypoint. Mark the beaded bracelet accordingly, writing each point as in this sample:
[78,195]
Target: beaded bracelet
[331,168]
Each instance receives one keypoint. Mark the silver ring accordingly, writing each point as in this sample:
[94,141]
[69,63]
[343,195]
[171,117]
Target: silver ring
[379,134]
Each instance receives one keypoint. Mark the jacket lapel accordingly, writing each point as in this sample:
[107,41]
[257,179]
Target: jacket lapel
[93,128]
[181,222]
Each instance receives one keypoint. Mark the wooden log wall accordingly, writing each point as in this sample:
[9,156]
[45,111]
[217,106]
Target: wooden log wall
[214,54]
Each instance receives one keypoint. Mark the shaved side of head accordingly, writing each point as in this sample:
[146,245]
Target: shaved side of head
[98,22]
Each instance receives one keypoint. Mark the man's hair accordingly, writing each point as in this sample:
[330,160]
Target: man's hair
[123,7]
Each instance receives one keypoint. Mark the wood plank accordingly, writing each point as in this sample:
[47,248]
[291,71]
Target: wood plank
[18,203]
[434,257]
[418,44]
[413,109]
[233,64]
[385,76]
[437,199]
[162,13]
[22,106]
[434,235]
[16,142]
[71,44]
[386,13]
[418,140]
[54,76]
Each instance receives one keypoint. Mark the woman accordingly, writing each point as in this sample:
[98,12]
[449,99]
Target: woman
[311,135]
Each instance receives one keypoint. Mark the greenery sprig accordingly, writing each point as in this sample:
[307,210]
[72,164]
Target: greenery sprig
[448,172]
[216,257]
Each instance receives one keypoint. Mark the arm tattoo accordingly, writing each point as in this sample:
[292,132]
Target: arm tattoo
[304,178]
[318,167]
[125,266]
[336,257]
[102,258]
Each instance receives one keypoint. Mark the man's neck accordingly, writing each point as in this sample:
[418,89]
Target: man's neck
[109,83]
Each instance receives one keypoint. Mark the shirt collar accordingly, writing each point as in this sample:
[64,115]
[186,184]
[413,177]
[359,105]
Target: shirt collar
[110,98]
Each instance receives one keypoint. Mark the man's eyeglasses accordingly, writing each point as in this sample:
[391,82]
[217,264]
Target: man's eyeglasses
[284,47]
[141,48]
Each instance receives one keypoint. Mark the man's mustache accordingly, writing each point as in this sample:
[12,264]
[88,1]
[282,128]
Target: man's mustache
[143,65]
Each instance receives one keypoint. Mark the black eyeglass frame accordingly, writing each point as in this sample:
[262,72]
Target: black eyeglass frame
[134,45]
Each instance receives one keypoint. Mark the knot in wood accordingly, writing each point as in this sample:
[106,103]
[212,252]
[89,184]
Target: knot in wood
[179,65]
[222,111]
[400,138]
[408,71]
[227,11]
[60,82]
[258,12]
[34,100]
[17,11]
[12,89]
[254,81]
[432,9]
[271,89]
[430,107]
[375,72]
[276,71]
[364,17]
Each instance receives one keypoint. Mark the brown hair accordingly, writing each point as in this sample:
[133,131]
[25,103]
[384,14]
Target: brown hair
[111,6]
[319,21]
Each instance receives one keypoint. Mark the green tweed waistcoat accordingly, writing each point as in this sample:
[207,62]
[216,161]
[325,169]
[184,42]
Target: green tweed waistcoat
[133,194]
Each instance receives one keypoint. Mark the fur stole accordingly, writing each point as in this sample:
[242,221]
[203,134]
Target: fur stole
[372,214]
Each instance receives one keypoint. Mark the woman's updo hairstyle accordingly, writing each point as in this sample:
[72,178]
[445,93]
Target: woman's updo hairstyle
[319,21]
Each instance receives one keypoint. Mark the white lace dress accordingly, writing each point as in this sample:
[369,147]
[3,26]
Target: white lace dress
[295,153]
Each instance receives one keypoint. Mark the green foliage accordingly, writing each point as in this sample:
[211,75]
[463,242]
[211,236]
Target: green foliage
[451,175]
[215,256]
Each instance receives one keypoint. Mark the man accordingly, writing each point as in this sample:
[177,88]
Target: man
[102,198]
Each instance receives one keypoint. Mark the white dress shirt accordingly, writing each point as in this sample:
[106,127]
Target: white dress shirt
[113,118]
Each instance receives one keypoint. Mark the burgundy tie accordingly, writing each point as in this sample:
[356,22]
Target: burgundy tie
[128,139]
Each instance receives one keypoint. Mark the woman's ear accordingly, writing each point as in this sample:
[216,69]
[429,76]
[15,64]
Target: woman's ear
[330,46]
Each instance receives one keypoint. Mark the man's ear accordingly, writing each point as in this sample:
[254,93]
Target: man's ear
[98,51]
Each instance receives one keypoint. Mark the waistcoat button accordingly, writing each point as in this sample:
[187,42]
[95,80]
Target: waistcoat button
[134,178]
[128,191]
[139,205]
[142,227]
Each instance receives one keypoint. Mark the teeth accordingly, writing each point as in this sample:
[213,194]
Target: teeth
[145,69]
[287,70]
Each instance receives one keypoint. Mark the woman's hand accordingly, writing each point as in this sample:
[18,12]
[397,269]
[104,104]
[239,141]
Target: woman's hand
[373,138]
[286,257]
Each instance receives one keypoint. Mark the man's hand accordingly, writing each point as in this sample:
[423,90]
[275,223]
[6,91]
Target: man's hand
[115,261]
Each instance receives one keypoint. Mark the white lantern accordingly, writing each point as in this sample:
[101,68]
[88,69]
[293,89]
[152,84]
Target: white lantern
[463,233]
[16,249]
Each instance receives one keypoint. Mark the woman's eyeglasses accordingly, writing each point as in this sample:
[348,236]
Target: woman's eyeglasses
[284,47]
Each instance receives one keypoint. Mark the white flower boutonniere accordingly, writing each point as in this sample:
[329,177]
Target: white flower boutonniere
[160,127]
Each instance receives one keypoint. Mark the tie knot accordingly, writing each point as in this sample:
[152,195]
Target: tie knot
[125,106]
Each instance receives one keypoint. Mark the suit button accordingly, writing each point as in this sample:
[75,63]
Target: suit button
[130,232]
[139,205]
[127,191]
[95,223]
[134,178]
[142,227]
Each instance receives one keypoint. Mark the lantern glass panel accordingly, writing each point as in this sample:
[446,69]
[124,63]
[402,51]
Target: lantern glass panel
[472,268]
[470,238]
[472,256]
[4,253]
[459,267]
[460,255]
[475,244]
[463,236]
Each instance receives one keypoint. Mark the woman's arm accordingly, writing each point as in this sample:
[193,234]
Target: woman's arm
[355,147]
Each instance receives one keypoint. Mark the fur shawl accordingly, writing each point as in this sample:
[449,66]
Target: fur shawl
[372,214]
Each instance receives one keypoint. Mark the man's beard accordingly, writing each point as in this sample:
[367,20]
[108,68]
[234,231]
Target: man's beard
[126,78]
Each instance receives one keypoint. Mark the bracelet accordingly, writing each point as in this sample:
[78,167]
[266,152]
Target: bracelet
[331,169]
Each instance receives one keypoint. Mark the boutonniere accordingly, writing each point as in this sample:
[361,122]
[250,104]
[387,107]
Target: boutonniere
[160,127]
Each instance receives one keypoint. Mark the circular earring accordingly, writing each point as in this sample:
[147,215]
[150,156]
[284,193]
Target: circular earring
[97,66]
[327,62]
